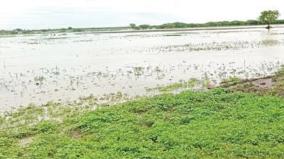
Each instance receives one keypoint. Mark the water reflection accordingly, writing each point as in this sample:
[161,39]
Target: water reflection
[63,67]
[271,39]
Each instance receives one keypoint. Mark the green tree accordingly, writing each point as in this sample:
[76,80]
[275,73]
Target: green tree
[144,26]
[269,17]
[133,26]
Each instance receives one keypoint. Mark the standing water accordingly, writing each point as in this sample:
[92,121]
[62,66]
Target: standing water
[65,66]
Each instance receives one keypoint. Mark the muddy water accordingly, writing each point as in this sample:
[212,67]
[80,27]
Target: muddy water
[63,67]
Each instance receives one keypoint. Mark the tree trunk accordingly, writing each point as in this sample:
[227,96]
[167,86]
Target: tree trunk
[268,27]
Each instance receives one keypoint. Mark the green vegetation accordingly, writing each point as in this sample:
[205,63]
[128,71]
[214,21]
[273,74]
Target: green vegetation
[179,86]
[133,26]
[209,24]
[269,17]
[218,123]
[61,30]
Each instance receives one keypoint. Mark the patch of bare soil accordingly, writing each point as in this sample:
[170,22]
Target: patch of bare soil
[76,134]
[263,83]
[24,142]
[270,85]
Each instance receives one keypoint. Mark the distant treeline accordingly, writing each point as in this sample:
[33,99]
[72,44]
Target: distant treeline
[195,25]
[139,27]
[60,30]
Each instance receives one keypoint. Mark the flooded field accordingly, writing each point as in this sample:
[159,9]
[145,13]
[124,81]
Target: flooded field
[64,67]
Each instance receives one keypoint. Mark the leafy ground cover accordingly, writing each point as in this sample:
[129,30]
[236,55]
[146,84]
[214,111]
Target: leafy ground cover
[242,119]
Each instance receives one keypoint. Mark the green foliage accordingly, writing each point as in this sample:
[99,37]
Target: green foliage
[213,124]
[45,127]
[269,17]
[171,87]
[133,26]
[209,24]
[144,26]
[8,148]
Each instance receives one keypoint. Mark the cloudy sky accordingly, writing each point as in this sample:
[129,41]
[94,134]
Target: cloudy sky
[35,14]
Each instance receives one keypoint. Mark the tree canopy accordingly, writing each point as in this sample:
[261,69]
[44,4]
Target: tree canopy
[269,17]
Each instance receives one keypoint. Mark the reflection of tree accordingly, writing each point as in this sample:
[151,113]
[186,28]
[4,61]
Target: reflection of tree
[269,40]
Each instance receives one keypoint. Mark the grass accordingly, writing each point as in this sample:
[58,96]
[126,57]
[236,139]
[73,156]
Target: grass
[240,119]
[179,86]
[215,124]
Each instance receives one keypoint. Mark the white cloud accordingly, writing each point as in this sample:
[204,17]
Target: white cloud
[61,13]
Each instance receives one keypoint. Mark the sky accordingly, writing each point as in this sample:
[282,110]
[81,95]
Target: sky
[39,14]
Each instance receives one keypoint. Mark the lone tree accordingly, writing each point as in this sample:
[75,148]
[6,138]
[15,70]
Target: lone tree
[133,26]
[268,17]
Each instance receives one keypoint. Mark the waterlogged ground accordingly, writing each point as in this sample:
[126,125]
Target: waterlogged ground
[63,67]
